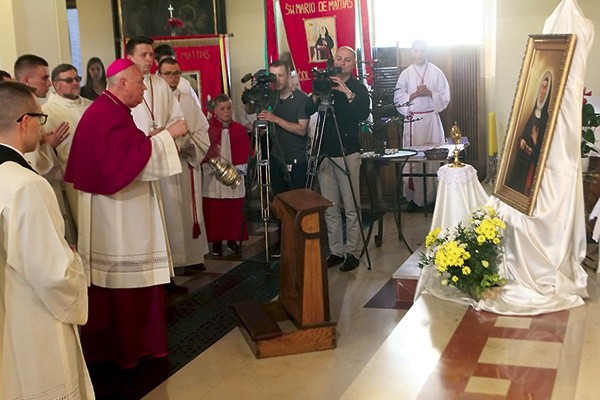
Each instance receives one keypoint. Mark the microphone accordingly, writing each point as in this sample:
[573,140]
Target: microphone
[246,78]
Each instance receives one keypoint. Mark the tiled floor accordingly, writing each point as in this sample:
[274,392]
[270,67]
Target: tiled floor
[436,350]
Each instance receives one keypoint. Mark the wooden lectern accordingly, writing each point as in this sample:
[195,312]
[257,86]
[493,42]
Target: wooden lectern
[303,294]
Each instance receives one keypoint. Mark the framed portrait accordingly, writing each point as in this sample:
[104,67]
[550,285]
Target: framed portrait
[170,17]
[532,120]
[193,77]
[321,38]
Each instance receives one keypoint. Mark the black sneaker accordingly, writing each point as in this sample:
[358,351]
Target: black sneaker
[334,260]
[350,263]
[233,246]
[217,249]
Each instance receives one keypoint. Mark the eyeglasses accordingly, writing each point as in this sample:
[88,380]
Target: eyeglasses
[69,80]
[171,74]
[43,117]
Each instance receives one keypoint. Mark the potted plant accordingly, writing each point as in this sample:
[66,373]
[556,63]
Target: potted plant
[589,121]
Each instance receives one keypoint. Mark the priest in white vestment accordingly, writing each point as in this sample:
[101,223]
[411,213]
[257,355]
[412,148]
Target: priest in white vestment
[43,287]
[422,92]
[191,156]
[65,105]
[122,236]
[158,109]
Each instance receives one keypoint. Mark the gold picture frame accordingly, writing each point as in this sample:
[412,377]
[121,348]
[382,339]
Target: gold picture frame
[532,120]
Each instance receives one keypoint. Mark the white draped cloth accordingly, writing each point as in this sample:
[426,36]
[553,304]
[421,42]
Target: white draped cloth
[544,252]
[427,130]
[160,108]
[459,193]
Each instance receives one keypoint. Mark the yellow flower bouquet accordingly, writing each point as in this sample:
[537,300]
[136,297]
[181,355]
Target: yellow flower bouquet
[466,257]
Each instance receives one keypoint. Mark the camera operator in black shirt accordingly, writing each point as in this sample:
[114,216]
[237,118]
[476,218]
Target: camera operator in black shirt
[289,138]
[349,101]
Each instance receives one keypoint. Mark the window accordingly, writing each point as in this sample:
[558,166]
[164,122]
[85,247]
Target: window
[73,21]
[437,22]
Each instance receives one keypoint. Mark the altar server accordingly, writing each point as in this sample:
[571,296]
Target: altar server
[424,87]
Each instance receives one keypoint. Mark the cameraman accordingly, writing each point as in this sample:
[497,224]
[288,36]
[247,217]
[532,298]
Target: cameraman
[350,101]
[289,139]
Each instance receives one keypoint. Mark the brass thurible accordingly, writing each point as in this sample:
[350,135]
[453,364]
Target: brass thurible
[456,134]
[225,173]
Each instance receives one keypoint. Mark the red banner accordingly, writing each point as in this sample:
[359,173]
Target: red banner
[315,30]
[204,62]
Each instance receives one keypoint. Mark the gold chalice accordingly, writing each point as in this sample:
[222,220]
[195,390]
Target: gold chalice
[456,134]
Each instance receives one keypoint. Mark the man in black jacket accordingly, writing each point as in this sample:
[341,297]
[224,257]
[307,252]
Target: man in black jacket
[350,105]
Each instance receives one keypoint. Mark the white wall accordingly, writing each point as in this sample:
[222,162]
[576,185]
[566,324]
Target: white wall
[96,31]
[34,26]
[246,21]
[8,50]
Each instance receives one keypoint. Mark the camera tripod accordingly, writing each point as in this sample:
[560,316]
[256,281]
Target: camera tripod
[315,158]
[259,173]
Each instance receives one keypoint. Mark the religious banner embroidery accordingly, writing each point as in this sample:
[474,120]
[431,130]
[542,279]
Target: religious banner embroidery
[204,62]
[315,30]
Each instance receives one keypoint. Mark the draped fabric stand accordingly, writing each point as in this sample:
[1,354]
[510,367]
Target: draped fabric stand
[459,192]
[543,252]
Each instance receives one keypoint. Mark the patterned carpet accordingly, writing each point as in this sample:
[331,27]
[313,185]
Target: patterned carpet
[202,318]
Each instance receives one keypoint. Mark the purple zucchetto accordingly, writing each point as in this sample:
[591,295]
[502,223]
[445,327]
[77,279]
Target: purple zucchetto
[118,65]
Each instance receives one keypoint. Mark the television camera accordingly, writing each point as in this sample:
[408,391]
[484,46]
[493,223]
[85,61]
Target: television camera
[322,82]
[257,97]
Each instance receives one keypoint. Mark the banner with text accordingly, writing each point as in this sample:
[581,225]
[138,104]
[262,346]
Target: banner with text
[204,62]
[315,30]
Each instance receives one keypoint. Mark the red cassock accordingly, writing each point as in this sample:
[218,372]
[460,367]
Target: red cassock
[223,217]
[108,152]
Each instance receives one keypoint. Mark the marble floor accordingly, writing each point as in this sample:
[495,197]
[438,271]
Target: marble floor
[435,350]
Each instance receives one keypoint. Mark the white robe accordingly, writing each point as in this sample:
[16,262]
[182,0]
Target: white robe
[427,130]
[43,295]
[160,101]
[61,109]
[122,238]
[195,249]
[45,161]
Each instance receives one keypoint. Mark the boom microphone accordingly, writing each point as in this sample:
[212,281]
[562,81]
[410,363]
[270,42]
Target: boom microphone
[246,78]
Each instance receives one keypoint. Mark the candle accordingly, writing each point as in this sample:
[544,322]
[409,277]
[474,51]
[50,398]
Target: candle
[492,139]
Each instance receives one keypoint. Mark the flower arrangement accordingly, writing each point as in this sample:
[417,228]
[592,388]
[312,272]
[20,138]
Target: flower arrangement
[174,23]
[466,257]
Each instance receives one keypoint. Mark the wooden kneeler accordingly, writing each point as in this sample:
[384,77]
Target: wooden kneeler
[303,294]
